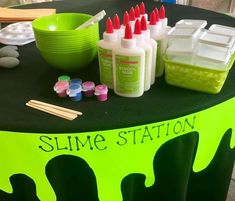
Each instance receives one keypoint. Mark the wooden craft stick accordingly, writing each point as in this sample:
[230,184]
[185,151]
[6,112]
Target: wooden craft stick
[56,107]
[53,111]
[24,14]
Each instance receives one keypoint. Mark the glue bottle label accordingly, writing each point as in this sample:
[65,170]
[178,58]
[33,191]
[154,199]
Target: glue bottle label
[128,78]
[106,67]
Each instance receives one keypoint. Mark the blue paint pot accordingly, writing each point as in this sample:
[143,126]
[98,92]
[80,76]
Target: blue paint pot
[75,92]
[76,81]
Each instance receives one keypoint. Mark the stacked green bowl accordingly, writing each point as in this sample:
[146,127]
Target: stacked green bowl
[61,45]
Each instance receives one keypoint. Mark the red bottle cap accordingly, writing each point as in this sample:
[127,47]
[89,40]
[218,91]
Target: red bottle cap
[109,26]
[153,20]
[157,14]
[137,11]
[137,27]
[162,13]
[116,22]
[143,23]
[142,8]
[126,18]
[132,14]
[128,32]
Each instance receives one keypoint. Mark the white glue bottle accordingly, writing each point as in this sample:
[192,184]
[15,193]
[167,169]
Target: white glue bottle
[153,44]
[117,27]
[140,41]
[159,35]
[126,20]
[132,17]
[154,25]
[128,67]
[105,48]
[142,11]
[162,17]
[137,12]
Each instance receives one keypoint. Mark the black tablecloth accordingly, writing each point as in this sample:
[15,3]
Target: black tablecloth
[34,79]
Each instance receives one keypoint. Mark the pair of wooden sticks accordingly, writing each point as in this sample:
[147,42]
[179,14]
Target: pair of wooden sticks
[54,109]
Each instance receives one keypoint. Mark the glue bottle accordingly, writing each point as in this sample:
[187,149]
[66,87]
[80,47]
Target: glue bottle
[151,42]
[154,25]
[162,17]
[142,11]
[137,12]
[140,41]
[117,27]
[126,20]
[105,48]
[160,37]
[132,17]
[128,67]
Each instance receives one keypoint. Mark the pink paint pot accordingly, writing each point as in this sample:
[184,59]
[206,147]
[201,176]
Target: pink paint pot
[61,87]
[88,88]
[101,92]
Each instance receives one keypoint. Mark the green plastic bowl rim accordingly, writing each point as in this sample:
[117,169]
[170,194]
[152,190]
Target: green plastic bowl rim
[59,31]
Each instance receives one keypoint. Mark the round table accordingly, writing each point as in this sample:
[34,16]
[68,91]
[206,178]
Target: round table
[118,128]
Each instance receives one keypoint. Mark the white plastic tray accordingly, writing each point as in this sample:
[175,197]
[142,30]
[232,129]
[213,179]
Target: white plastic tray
[19,33]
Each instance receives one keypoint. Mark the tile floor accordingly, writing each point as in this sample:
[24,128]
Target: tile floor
[218,5]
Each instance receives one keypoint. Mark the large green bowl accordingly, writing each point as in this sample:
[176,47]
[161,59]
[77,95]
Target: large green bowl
[59,30]
[61,45]
[69,62]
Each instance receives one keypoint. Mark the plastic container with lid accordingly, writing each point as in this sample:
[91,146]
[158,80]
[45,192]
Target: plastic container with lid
[185,37]
[101,91]
[221,29]
[76,81]
[187,23]
[89,88]
[212,57]
[226,30]
[180,54]
[209,38]
[60,88]
[64,78]
[75,92]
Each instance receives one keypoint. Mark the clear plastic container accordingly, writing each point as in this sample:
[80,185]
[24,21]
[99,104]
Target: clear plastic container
[213,57]
[210,38]
[216,39]
[226,30]
[221,29]
[180,54]
[186,37]
[191,23]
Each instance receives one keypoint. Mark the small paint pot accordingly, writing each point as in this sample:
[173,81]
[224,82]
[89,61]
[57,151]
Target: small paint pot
[76,81]
[60,88]
[88,88]
[101,92]
[64,78]
[75,92]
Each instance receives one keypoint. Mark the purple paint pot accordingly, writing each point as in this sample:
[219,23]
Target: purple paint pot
[75,92]
[101,92]
[88,88]
[60,88]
